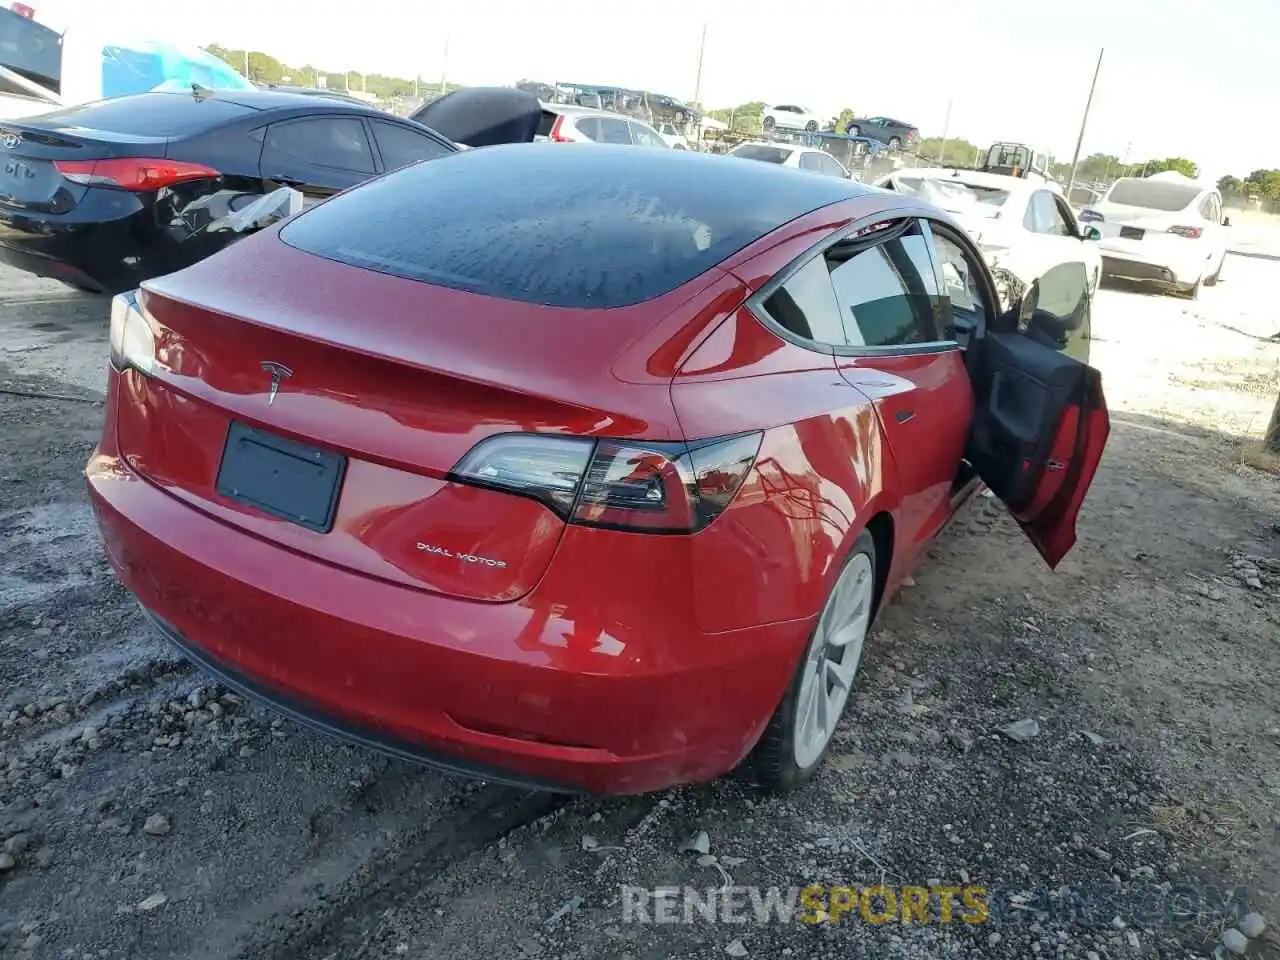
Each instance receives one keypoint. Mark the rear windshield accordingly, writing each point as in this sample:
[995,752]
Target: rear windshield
[1153,194]
[593,226]
[761,151]
[149,115]
[953,195]
[30,49]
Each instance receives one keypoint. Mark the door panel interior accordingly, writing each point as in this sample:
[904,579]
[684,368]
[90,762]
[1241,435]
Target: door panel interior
[1039,427]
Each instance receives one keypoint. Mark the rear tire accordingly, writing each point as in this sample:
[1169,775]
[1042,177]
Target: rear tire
[854,131]
[811,126]
[799,734]
[769,123]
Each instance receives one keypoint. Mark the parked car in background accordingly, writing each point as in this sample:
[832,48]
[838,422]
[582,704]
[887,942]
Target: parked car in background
[627,524]
[674,138]
[42,68]
[106,195]
[1022,226]
[1165,228]
[784,155]
[569,123]
[894,134]
[791,117]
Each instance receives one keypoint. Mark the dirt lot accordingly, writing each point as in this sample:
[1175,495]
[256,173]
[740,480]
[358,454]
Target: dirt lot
[147,814]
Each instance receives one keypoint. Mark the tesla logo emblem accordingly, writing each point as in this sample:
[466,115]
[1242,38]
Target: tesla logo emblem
[11,140]
[277,372]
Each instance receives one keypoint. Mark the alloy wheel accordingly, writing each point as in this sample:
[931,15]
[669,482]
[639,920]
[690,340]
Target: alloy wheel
[832,659]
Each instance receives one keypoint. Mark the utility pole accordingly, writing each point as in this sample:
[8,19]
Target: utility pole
[444,65]
[1084,122]
[697,79]
[246,64]
[946,127]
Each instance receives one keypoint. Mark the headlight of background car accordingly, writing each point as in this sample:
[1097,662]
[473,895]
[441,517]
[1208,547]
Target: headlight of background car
[132,342]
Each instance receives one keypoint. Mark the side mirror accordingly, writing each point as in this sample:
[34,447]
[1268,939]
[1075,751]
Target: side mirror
[1090,233]
[1226,221]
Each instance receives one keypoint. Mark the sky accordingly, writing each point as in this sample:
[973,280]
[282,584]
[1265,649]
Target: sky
[1179,78]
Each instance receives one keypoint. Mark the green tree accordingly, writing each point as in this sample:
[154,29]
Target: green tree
[1178,164]
[955,152]
[1263,184]
[1230,185]
[841,120]
[744,118]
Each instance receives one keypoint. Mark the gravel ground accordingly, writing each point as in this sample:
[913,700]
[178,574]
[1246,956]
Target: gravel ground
[146,813]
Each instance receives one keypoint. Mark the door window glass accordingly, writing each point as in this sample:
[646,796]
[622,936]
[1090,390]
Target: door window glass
[614,131]
[1043,216]
[644,138]
[337,142]
[963,296]
[401,146]
[887,292]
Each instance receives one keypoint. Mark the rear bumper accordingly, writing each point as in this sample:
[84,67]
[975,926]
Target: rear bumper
[554,691]
[1130,261]
[107,256]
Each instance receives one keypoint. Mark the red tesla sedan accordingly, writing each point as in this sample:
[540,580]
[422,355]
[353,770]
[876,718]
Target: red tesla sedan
[584,468]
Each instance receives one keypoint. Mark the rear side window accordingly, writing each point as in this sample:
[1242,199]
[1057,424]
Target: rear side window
[567,228]
[588,127]
[337,142]
[546,123]
[401,146]
[614,131]
[150,115]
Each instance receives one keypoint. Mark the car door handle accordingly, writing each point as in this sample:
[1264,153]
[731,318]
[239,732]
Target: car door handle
[902,416]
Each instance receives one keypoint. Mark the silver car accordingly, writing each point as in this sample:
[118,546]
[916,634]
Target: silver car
[568,123]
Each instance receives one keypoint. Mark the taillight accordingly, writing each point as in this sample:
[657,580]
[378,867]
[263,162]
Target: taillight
[651,487]
[1191,233]
[133,345]
[132,173]
[1091,216]
[22,10]
[556,135]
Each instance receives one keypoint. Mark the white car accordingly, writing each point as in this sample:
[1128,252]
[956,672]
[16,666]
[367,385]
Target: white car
[1022,225]
[785,155]
[1165,228]
[791,117]
[674,138]
[571,123]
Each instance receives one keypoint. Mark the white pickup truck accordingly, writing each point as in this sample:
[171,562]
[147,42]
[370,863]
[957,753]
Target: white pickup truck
[42,69]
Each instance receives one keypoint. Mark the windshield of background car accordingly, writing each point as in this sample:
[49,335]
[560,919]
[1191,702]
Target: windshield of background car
[1153,194]
[143,67]
[601,227]
[955,196]
[761,151]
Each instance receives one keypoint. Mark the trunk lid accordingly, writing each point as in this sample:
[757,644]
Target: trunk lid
[381,386]
[30,180]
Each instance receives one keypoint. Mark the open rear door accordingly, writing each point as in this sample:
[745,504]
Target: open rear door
[483,116]
[1040,424]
